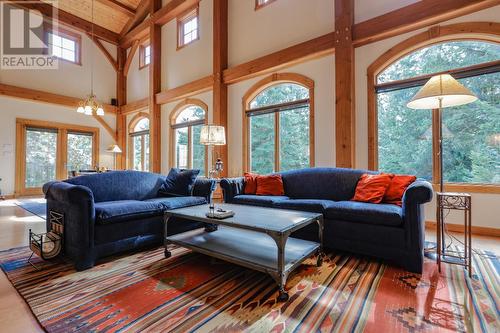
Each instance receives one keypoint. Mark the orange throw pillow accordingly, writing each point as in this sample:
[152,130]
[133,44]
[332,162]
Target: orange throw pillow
[270,185]
[250,183]
[372,188]
[397,188]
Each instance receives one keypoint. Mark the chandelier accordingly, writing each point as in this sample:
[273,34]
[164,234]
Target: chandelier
[91,105]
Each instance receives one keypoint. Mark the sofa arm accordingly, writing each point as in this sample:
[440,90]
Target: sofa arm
[231,187]
[203,187]
[76,203]
[419,192]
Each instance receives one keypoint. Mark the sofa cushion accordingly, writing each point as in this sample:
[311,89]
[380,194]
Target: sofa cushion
[178,202]
[372,188]
[270,185]
[306,205]
[121,210]
[258,200]
[179,182]
[363,212]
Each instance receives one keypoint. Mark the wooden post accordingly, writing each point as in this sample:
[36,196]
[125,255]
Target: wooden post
[345,134]
[220,56]
[121,119]
[154,88]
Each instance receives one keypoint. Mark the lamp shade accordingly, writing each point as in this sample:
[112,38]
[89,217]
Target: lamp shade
[441,87]
[114,149]
[213,135]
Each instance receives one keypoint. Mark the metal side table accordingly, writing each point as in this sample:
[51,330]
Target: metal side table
[461,202]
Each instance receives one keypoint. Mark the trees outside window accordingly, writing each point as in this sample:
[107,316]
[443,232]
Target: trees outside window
[139,142]
[471,133]
[186,122]
[279,128]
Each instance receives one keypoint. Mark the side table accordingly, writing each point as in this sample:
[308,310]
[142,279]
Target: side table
[454,201]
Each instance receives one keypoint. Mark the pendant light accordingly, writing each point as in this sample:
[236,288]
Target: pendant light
[91,105]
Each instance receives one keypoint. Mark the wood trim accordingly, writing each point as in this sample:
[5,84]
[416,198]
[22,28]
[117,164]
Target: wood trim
[141,31]
[260,86]
[312,49]
[135,106]
[104,124]
[469,188]
[61,150]
[132,123]
[101,47]
[135,119]
[68,34]
[118,6]
[186,90]
[130,57]
[69,20]
[188,15]
[488,31]
[262,5]
[142,55]
[475,230]
[413,17]
[173,115]
[46,97]
[140,14]
[172,10]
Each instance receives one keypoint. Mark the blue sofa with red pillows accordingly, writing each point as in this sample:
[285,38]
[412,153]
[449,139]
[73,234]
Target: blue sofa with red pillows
[384,230]
[112,212]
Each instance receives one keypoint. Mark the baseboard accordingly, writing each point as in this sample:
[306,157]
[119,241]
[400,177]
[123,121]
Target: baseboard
[481,231]
[7,197]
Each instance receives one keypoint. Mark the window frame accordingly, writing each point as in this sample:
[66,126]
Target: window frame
[477,31]
[256,89]
[22,125]
[181,20]
[259,5]
[131,134]
[142,55]
[64,33]
[173,126]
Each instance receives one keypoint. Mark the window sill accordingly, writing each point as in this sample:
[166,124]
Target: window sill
[179,47]
[472,188]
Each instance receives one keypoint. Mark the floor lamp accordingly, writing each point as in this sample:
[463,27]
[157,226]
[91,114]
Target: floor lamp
[115,150]
[213,135]
[441,91]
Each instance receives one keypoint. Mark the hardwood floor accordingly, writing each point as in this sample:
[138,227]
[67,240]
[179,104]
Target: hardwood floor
[15,315]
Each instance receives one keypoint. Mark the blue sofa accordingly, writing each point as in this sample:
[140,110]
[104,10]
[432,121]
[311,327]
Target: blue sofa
[386,231]
[116,211]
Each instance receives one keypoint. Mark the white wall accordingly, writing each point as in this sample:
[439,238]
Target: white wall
[10,109]
[367,9]
[137,80]
[486,210]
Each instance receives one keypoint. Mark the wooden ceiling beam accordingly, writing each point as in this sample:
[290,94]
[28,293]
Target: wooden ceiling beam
[415,16]
[186,90]
[106,126]
[135,106]
[46,97]
[130,57]
[173,9]
[70,20]
[118,6]
[141,13]
[106,53]
[140,32]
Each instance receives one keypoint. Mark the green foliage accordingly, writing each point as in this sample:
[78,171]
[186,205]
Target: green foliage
[41,152]
[79,151]
[471,151]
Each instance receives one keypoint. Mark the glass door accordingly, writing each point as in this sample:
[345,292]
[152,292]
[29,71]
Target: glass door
[41,157]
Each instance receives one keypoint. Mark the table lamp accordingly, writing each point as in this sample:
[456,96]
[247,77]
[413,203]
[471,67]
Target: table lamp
[115,150]
[213,135]
[441,91]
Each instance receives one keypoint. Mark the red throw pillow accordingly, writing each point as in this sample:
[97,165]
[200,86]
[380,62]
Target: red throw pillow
[397,188]
[270,185]
[250,183]
[372,188]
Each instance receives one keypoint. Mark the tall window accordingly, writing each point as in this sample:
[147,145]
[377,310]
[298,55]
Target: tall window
[186,123]
[64,45]
[279,126]
[48,151]
[139,143]
[188,28]
[144,56]
[471,133]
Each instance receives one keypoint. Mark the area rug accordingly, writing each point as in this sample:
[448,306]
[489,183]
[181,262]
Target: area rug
[144,292]
[34,206]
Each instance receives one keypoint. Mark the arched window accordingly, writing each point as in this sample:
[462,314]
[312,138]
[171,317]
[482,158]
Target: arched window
[186,121]
[279,124]
[139,142]
[406,140]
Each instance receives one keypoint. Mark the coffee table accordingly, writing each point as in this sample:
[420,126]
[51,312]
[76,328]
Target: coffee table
[255,237]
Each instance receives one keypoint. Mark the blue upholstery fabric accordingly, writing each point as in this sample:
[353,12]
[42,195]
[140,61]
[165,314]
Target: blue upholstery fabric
[381,214]
[258,200]
[381,230]
[112,212]
[177,202]
[307,205]
[179,182]
[121,185]
[121,210]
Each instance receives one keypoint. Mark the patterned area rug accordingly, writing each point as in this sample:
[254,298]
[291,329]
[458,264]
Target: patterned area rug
[144,292]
